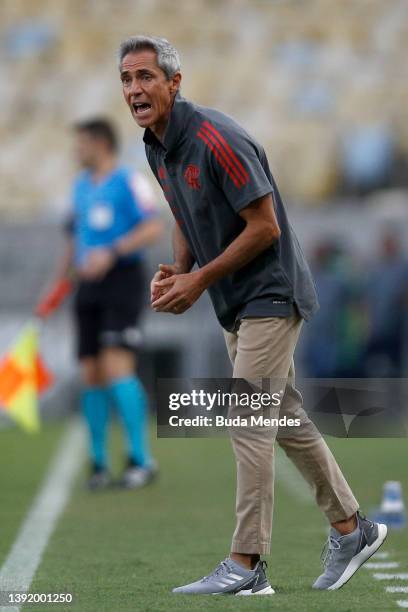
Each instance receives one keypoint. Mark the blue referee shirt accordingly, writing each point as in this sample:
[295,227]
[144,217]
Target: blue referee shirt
[107,209]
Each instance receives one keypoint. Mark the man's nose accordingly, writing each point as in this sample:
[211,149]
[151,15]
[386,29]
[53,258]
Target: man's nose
[135,88]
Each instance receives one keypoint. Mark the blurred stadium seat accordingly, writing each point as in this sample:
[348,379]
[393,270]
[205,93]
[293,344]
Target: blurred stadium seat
[297,74]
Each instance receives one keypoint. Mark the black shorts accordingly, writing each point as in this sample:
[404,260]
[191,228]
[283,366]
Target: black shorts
[107,311]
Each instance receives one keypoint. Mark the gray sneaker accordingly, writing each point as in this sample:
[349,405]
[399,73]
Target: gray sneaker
[230,577]
[343,555]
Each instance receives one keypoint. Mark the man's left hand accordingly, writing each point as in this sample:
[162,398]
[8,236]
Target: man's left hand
[182,290]
[97,264]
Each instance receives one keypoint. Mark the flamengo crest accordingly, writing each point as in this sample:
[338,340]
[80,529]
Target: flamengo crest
[191,175]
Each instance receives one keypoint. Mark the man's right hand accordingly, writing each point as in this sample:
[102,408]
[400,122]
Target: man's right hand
[164,271]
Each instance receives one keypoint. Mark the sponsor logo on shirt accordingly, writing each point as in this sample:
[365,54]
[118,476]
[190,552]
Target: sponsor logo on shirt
[100,216]
[191,176]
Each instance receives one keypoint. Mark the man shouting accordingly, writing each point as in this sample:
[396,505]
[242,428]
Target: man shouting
[231,222]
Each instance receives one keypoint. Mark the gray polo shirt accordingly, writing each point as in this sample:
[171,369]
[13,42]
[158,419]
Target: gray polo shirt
[210,169]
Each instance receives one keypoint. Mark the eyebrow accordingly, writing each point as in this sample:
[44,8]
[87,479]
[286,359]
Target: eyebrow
[138,71]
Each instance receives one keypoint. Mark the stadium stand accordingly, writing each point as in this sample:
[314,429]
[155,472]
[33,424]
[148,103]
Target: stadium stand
[302,76]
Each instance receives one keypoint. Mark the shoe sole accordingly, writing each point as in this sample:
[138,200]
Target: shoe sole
[245,592]
[266,591]
[363,556]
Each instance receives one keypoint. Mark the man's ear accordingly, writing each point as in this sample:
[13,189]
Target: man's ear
[176,80]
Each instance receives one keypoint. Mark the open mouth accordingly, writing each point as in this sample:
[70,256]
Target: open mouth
[141,108]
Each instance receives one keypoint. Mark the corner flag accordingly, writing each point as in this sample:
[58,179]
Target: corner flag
[22,377]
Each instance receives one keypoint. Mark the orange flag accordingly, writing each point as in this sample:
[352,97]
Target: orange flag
[23,376]
[43,376]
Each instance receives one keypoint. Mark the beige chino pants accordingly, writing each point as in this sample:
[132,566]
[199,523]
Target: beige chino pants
[264,348]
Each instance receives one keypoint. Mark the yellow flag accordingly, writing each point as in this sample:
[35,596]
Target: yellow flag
[18,380]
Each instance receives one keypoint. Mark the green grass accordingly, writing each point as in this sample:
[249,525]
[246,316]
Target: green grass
[126,550]
[23,461]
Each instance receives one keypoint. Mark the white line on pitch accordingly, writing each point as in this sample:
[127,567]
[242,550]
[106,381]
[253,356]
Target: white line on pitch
[381,555]
[390,576]
[382,565]
[25,555]
[396,589]
[402,603]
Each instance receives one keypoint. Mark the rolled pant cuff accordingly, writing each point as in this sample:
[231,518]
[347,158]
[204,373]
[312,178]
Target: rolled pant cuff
[343,514]
[250,548]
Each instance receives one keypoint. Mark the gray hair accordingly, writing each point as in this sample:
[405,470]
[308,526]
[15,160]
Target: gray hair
[167,56]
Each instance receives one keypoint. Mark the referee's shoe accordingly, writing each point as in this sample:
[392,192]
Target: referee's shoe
[99,479]
[135,476]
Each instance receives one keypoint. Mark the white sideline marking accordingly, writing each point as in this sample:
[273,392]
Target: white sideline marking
[382,565]
[390,576]
[396,589]
[290,479]
[402,603]
[381,555]
[25,555]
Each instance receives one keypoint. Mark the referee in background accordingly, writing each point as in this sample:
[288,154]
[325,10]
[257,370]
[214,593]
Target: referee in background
[112,219]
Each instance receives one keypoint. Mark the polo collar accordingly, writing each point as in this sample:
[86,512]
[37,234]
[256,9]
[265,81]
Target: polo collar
[174,134]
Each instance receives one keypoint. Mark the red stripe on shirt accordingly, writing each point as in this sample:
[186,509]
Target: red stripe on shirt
[223,154]
[219,158]
[244,173]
